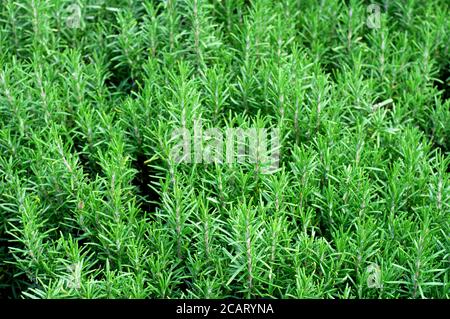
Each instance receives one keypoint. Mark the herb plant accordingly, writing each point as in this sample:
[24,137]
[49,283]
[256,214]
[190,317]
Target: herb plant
[93,204]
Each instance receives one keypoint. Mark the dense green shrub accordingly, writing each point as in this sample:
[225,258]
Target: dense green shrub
[92,205]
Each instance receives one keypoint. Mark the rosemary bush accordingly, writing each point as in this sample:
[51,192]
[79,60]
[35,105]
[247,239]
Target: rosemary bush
[93,205]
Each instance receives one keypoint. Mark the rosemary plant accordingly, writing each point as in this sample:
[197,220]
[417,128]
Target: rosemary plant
[95,96]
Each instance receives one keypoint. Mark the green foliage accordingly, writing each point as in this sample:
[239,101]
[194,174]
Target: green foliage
[93,205]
